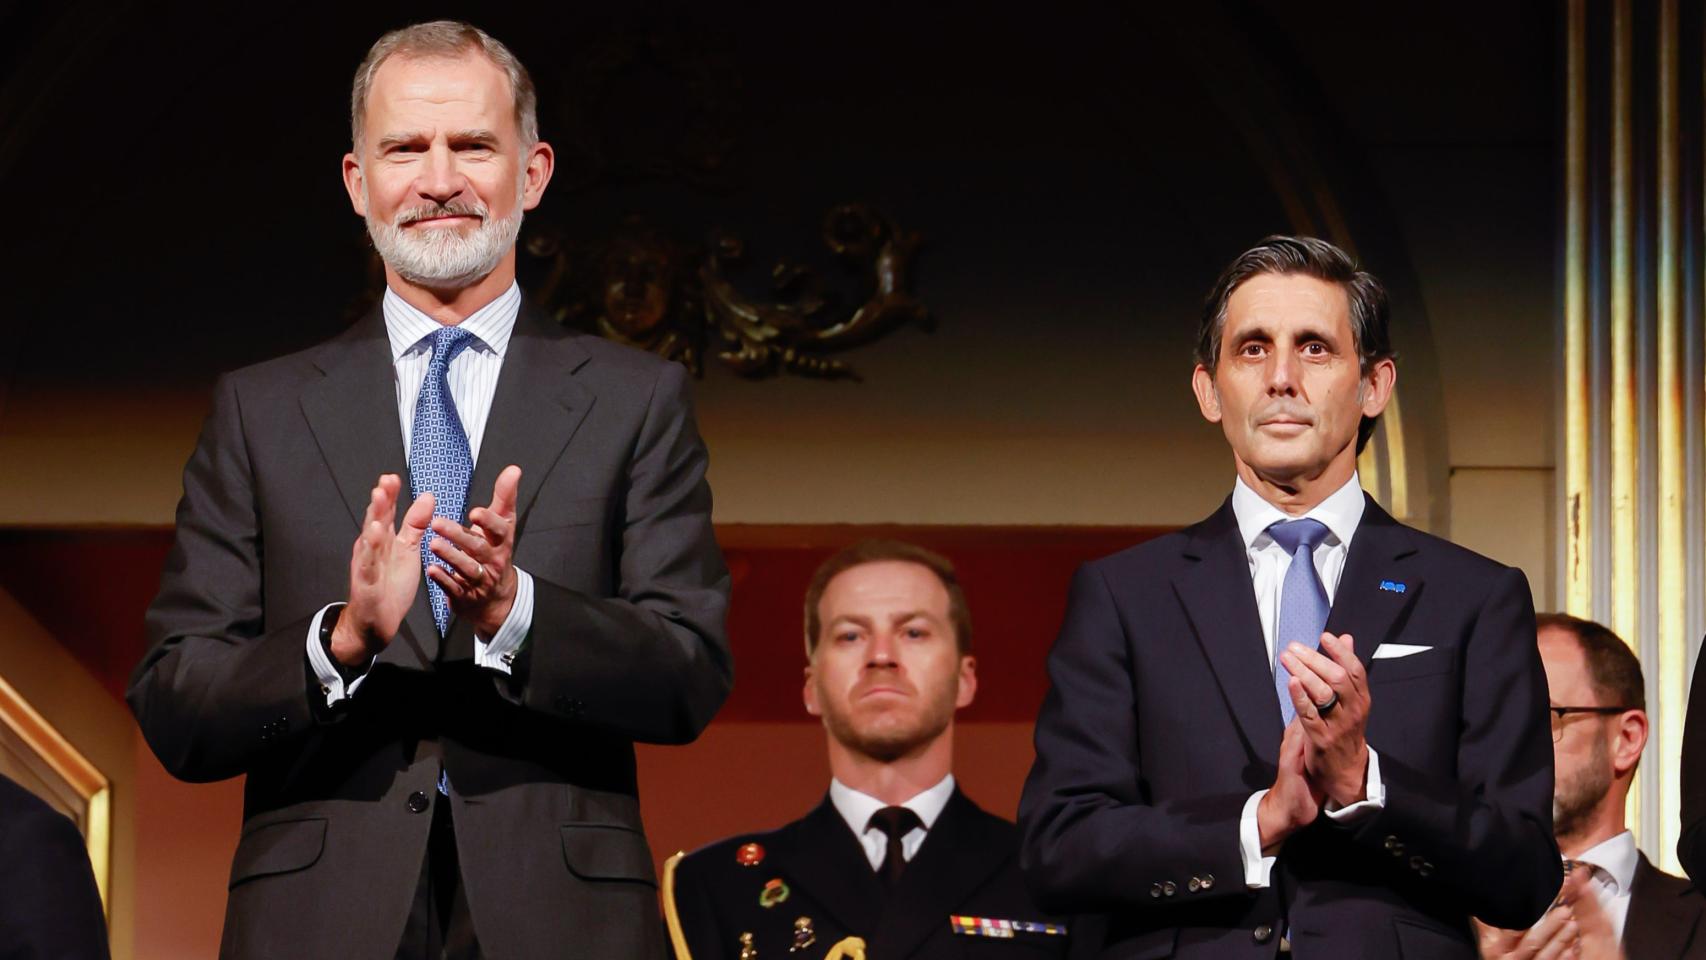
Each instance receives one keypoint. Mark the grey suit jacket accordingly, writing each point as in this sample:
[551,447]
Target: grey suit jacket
[627,644]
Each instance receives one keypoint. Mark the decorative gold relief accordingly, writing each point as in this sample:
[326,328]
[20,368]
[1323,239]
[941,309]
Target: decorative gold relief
[645,289]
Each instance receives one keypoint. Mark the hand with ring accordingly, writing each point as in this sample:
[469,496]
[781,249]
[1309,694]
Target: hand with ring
[480,582]
[1329,689]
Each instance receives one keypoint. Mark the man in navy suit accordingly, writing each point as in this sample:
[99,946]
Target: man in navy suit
[1298,725]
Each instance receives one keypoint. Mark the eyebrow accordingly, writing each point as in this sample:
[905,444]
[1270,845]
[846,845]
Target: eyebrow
[860,620]
[483,136]
[417,136]
[1264,334]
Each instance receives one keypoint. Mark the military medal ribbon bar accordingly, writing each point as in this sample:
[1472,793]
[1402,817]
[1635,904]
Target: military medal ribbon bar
[1003,929]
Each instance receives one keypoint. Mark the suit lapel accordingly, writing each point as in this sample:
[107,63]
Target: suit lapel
[536,410]
[958,854]
[1376,590]
[352,413]
[1659,923]
[824,856]
[1220,602]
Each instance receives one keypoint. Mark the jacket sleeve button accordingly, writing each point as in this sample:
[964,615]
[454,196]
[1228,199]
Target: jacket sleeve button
[418,802]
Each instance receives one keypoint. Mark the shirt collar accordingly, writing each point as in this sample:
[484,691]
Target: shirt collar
[1616,856]
[856,808]
[1341,512]
[491,325]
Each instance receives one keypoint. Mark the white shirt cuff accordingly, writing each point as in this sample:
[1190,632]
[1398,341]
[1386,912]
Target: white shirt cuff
[1257,868]
[1373,790]
[499,652]
[331,682]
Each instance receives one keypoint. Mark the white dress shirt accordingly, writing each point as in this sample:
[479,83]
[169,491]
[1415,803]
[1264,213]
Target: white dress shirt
[473,380]
[856,808]
[1340,513]
[1613,863]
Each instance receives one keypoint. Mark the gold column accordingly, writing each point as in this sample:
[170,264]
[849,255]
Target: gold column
[1578,379]
[1632,400]
[1670,682]
[1625,570]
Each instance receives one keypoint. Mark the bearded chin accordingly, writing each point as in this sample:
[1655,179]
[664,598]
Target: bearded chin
[445,259]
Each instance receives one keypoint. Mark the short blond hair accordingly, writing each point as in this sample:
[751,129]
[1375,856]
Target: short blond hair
[879,551]
[445,38]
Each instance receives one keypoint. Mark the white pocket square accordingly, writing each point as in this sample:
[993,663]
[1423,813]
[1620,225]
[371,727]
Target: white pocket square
[1392,651]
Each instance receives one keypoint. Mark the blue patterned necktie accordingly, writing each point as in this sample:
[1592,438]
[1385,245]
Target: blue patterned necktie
[1303,601]
[438,453]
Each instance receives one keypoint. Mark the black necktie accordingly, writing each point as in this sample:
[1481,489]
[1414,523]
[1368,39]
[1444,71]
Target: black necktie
[897,822]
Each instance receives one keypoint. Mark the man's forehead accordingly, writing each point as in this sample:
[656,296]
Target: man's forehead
[881,584]
[1270,300]
[1564,659]
[404,82]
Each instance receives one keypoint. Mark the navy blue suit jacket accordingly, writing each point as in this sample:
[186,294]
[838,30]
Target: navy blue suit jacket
[1162,720]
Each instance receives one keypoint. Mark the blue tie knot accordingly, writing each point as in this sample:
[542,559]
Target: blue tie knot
[447,342]
[1293,534]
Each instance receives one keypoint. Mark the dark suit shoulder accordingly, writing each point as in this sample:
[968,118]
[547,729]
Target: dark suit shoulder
[1650,881]
[621,356]
[1148,554]
[1452,557]
[23,815]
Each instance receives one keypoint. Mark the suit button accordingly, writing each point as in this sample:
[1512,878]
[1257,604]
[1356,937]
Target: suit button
[1394,846]
[1416,863]
[1263,933]
[1169,888]
[1194,885]
[1208,881]
[1426,869]
[418,802]
[1155,891]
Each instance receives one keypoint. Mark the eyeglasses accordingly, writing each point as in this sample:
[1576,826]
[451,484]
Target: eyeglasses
[1559,713]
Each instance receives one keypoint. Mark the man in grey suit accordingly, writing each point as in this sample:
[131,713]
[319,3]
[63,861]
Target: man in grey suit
[431,760]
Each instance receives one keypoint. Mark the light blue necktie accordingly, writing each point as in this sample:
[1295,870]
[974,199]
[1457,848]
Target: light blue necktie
[438,453]
[1303,601]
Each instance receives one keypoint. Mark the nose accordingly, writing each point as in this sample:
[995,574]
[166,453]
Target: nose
[880,654]
[1283,371]
[439,179]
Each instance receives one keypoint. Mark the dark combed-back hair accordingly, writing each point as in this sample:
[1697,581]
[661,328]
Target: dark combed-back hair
[1613,668]
[878,551]
[1308,256]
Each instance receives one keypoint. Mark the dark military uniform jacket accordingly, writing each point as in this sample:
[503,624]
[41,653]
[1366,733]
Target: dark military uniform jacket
[820,890]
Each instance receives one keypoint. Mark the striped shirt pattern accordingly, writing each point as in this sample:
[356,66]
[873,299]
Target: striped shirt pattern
[473,380]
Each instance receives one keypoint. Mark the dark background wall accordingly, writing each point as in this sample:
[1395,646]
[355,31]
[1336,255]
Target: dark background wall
[1078,175]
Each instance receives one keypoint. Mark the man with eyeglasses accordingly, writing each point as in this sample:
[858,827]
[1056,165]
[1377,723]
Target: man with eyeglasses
[1614,903]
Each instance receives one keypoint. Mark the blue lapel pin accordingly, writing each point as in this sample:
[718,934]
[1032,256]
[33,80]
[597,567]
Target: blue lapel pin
[1392,585]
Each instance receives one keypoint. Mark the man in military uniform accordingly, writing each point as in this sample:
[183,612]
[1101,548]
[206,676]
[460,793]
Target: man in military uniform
[896,863]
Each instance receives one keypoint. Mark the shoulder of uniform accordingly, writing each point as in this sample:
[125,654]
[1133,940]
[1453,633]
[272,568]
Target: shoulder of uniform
[729,854]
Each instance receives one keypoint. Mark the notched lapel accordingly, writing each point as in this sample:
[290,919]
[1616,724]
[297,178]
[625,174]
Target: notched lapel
[535,412]
[1220,603]
[1366,605]
[352,413]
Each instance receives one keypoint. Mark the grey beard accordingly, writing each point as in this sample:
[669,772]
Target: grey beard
[444,259]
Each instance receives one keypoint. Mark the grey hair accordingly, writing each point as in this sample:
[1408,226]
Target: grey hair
[445,38]
[1307,256]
